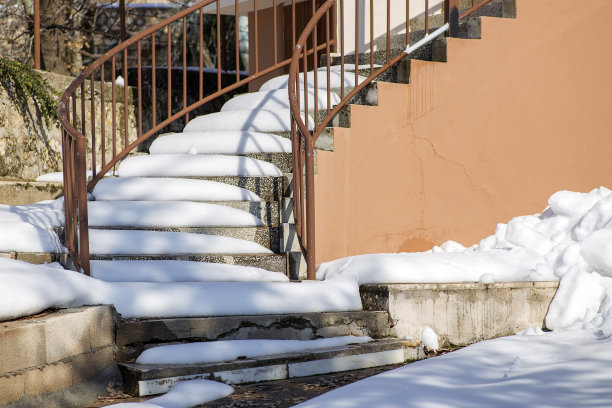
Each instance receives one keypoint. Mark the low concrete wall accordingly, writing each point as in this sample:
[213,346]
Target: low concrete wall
[44,354]
[461,313]
[26,192]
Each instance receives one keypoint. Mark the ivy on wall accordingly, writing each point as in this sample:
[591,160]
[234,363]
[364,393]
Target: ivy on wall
[29,84]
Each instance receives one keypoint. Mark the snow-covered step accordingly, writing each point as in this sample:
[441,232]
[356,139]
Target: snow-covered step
[261,120]
[270,262]
[195,165]
[161,271]
[268,237]
[169,189]
[336,80]
[156,243]
[132,334]
[220,142]
[276,99]
[151,379]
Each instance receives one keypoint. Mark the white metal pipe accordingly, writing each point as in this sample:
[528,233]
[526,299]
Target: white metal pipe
[428,37]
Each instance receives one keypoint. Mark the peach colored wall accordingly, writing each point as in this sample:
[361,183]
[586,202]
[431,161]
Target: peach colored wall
[510,119]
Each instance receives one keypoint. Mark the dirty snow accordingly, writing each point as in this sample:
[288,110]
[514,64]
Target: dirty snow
[139,242]
[260,120]
[162,214]
[169,189]
[28,289]
[227,350]
[218,142]
[562,370]
[185,394]
[195,165]
[179,271]
[277,99]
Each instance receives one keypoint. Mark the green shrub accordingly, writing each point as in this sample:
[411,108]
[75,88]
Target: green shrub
[27,83]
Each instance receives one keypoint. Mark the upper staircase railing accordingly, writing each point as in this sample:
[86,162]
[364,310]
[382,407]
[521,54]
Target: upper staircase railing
[304,90]
[97,133]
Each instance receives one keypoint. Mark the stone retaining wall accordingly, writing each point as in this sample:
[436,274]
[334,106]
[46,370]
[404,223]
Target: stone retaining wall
[48,353]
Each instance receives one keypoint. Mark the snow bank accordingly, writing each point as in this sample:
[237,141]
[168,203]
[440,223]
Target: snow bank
[220,142]
[185,394]
[260,120]
[569,369]
[179,271]
[335,80]
[571,240]
[23,237]
[195,165]
[28,289]
[166,214]
[169,189]
[135,242]
[277,99]
[227,350]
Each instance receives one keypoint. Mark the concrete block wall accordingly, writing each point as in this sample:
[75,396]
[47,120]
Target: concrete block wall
[52,352]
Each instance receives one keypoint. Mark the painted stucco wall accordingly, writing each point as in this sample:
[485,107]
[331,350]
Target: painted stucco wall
[510,119]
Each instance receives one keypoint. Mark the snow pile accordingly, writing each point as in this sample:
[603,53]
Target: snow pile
[260,120]
[29,228]
[28,289]
[185,394]
[227,350]
[169,189]
[570,240]
[429,338]
[194,165]
[218,142]
[568,369]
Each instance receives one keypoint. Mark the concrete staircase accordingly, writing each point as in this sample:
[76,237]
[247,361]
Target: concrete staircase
[220,192]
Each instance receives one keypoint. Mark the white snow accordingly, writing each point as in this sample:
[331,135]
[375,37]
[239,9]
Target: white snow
[185,394]
[561,370]
[28,289]
[260,120]
[55,177]
[429,338]
[195,165]
[179,271]
[227,350]
[335,80]
[168,189]
[138,242]
[277,99]
[29,228]
[220,142]
[166,214]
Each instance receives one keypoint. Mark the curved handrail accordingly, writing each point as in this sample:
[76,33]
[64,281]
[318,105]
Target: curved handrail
[304,139]
[80,137]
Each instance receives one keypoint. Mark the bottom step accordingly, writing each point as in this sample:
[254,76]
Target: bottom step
[142,380]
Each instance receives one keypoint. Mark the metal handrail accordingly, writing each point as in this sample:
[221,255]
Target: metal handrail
[79,147]
[303,138]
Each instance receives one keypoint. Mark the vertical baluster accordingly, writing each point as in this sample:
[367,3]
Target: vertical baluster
[328,60]
[426,17]
[388,30]
[407,23]
[102,118]
[315,70]
[114,105]
[293,23]
[342,48]
[125,100]
[274,18]
[169,66]
[237,41]
[219,53]
[185,68]
[93,126]
[371,38]
[153,83]
[201,41]
[255,12]
[139,63]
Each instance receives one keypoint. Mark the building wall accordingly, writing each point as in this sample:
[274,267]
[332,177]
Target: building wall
[490,135]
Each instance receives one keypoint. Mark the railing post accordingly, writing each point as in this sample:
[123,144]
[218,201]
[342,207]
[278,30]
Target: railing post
[123,32]
[310,208]
[82,204]
[37,34]
[451,16]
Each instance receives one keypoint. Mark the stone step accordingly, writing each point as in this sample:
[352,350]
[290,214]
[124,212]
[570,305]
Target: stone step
[134,334]
[266,236]
[142,380]
[270,262]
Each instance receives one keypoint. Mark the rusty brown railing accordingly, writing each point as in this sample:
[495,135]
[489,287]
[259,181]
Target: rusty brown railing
[83,105]
[303,138]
